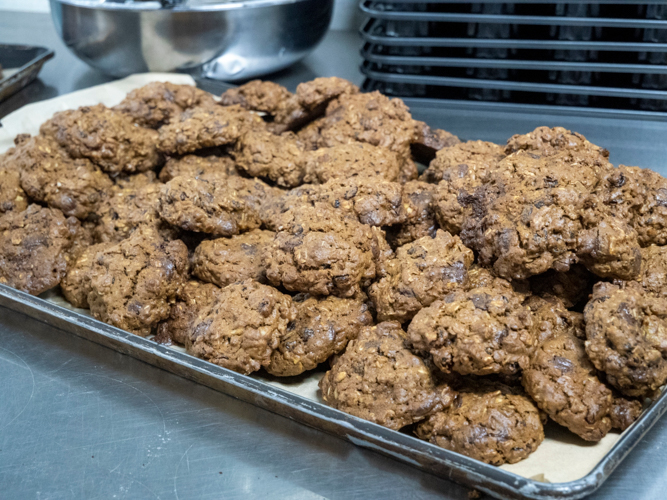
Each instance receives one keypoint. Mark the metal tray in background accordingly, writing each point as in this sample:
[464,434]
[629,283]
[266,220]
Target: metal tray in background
[20,66]
[369,7]
[371,26]
[371,55]
[447,81]
[405,448]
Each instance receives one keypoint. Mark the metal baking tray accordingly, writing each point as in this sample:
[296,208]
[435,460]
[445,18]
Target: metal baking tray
[446,81]
[370,53]
[467,62]
[370,8]
[372,26]
[405,448]
[20,66]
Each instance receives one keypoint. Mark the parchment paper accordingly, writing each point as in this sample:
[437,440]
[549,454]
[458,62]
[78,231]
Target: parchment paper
[561,457]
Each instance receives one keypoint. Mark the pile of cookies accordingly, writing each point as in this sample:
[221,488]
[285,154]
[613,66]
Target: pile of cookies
[266,230]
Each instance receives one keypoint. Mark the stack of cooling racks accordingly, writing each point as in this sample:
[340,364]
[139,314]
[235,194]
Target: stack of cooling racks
[606,54]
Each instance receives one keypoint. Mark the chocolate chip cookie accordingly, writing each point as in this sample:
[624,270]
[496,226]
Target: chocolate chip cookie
[421,273]
[378,379]
[224,261]
[323,327]
[242,327]
[33,248]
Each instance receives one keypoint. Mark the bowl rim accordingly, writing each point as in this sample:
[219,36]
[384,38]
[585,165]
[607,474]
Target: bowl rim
[152,7]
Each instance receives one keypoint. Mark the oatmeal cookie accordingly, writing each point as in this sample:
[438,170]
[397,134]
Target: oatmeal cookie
[75,285]
[209,127]
[319,251]
[378,379]
[213,205]
[373,202]
[132,205]
[350,160]
[33,248]
[561,379]
[310,102]
[193,297]
[624,412]
[490,423]
[419,216]
[482,331]
[260,153]
[545,141]
[106,137]
[50,176]
[541,215]
[133,283]
[626,331]
[639,196]
[242,327]
[224,261]
[653,276]
[12,196]
[464,165]
[323,327]
[155,104]
[257,95]
[421,273]
[197,166]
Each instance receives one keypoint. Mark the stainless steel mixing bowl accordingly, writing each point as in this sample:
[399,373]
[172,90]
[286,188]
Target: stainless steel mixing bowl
[233,40]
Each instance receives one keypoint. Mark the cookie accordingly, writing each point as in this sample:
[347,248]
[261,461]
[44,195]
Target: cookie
[197,166]
[422,272]
[155,104]
[213,205]
[378,379]
[626,339]
[33,248]
[50,176]
[490,423]
[133,283]
[323,327]
[317,250]
[242,327]
[224,261]
[191,298]
[108,138]
[483,331]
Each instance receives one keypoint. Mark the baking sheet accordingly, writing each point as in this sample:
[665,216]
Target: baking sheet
[562,457]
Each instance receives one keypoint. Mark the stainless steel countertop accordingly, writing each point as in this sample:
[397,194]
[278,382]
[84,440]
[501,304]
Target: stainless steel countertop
[78,420]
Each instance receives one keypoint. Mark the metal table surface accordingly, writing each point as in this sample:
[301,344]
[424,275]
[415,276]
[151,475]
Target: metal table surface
[78,420]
